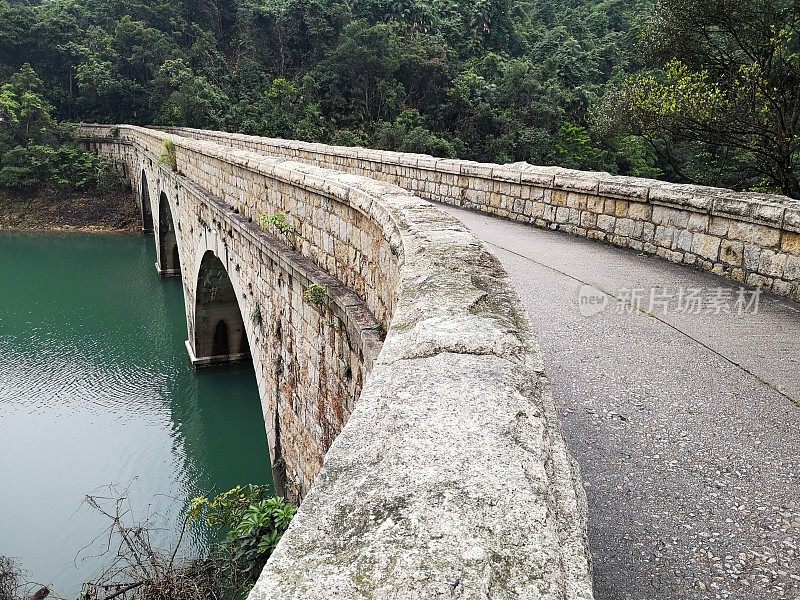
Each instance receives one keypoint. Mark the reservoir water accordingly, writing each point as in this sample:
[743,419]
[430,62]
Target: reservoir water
[96,389]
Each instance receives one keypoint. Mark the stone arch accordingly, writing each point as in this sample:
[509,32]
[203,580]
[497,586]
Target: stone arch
[169,263]
[219,331]
[144,206]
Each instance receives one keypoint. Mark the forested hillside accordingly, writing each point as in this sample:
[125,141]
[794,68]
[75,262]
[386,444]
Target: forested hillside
[703,91]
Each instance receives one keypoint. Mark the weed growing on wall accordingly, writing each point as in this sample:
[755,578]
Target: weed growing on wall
[168,156]
[277,220]
[316,293]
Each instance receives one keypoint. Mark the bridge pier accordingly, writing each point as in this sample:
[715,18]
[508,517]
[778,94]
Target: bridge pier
[207,361]
[219,332]
[165,273]
[145,210]
[168,263]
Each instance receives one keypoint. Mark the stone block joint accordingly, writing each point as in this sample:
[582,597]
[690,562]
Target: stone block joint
[381,401]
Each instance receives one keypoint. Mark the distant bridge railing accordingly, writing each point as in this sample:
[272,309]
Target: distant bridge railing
[451,477]
[747,237]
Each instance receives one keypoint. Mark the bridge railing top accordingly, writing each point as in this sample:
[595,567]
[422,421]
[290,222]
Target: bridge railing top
[453,458]
[767,209]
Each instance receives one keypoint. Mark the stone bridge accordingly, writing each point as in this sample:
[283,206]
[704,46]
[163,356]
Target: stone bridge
[405,400]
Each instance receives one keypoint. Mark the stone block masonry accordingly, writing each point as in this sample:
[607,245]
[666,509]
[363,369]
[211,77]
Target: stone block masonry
[753,239]
[444,472]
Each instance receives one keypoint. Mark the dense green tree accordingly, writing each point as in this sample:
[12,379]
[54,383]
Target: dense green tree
[726,103]
[281,110]
[25,115]
[34,150]
[701,91]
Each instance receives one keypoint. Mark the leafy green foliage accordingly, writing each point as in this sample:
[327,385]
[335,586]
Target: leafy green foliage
[250,523]
[575,148]
[490,80]
[277,220]
[678,93]
[168,157]
[28,167]
[34,150]
[703,91]
[315,293]
[25,115]
[259,531]
[721,103]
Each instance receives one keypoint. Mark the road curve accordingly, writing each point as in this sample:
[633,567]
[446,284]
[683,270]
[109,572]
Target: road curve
[685,418]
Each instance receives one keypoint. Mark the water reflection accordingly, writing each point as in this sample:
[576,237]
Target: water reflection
[95,388]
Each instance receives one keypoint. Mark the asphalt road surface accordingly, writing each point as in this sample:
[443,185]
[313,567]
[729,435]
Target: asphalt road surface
[680,398]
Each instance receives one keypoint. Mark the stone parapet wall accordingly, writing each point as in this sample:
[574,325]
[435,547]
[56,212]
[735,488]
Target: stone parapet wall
[451,477]
[310,361]
[747,237]
[329,218]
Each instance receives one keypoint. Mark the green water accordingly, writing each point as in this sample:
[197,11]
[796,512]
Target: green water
[96,388]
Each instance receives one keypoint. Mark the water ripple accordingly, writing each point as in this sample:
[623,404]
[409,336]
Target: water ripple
[96,389]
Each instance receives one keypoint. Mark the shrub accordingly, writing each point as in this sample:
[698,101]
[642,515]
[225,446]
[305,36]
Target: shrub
[168,156]
[250,521]
[25,167]
[315,293]
[77,169]
[30,167]
[277,220]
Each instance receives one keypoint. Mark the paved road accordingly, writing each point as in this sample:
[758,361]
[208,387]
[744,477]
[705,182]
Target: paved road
[685,419]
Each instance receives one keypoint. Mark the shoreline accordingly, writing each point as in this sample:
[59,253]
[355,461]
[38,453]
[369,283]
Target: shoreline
[44,228]
[55,210]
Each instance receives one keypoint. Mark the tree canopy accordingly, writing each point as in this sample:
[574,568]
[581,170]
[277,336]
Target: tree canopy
[726,103]
[703,91]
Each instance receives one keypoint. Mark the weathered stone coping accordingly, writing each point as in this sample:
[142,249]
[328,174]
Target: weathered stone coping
[765,209]
[452,477]
[748,237]
[362,327]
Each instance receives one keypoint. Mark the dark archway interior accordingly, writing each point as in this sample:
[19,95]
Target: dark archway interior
[220,345]
[167,241]
[220,336]
[219,329]
[146,211]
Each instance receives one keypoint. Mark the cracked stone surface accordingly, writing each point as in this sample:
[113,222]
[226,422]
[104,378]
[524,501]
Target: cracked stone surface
[684,425]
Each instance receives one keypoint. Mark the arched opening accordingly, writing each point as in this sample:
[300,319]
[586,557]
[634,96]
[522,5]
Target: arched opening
[219,333]
[144,208]
[218,336]
[219,346]
[168,257]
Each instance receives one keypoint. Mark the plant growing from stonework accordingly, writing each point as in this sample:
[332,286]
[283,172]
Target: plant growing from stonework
[251,522]
[114,131]
[315,293]
[168,156]
[277,220]
[245,522]
[257,319]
